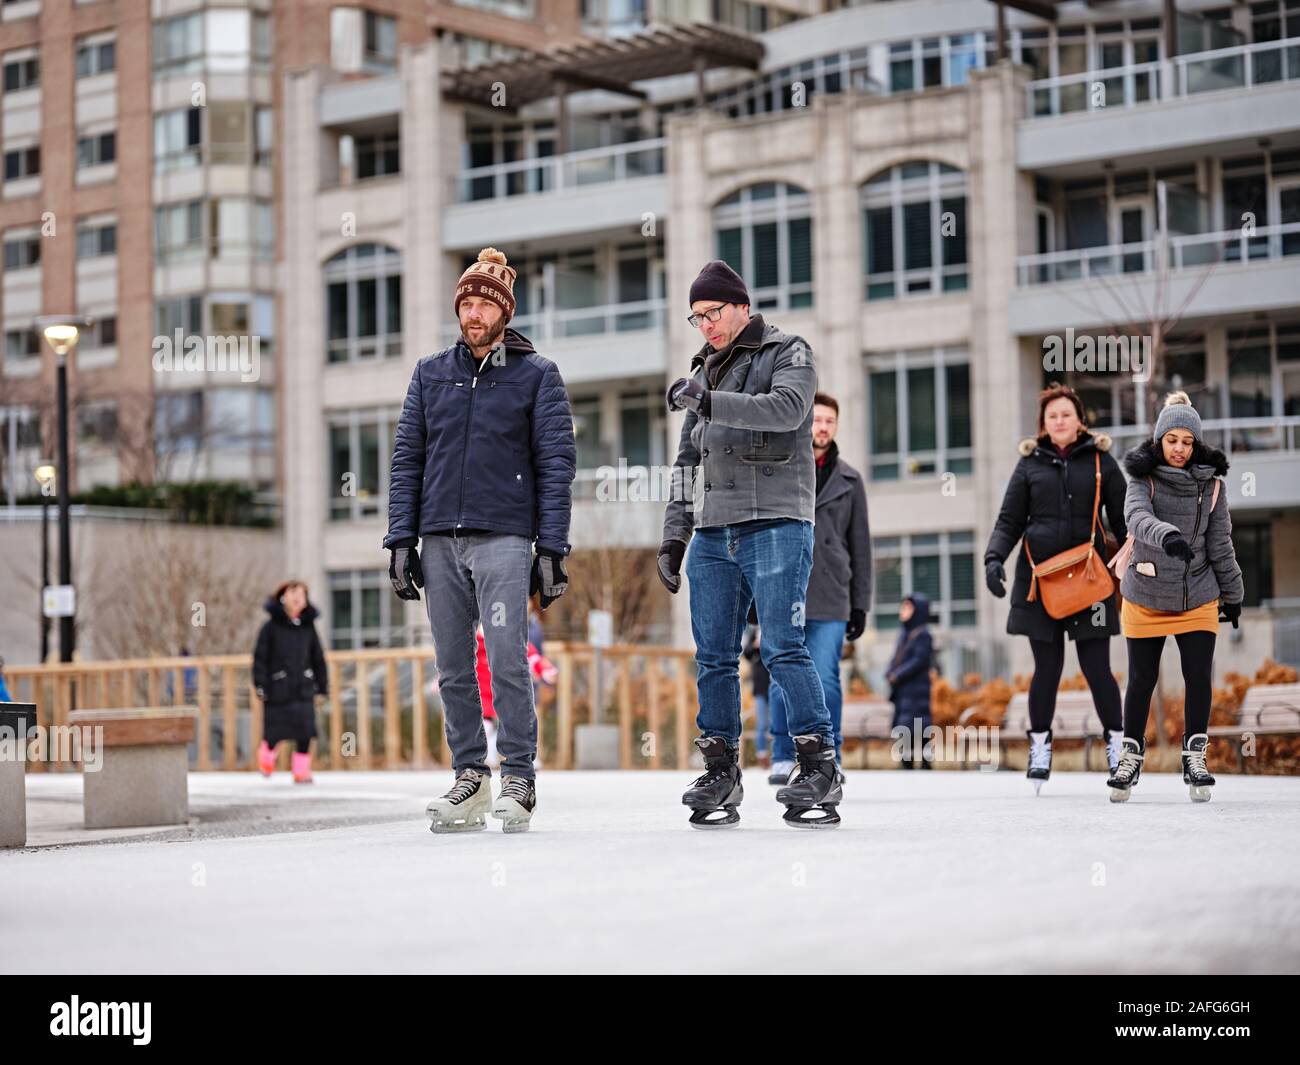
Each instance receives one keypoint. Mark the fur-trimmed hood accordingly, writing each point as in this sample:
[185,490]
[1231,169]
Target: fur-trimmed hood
[1027,445]
[1142,460]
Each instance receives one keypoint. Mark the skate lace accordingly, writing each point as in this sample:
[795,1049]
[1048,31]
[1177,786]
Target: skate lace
[1196,762]
[1129,762]
[465,786]
[515,788]
[1040,755]
[712,774]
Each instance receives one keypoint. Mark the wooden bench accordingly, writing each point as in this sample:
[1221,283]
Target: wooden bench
[1266,710]
[16,719]
[866,720]
[1075,719]
[143,774]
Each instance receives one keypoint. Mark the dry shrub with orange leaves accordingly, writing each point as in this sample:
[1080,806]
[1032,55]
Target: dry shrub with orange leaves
[1278,754]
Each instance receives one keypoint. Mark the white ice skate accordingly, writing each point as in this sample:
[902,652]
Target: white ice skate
[465,807]
[515,805]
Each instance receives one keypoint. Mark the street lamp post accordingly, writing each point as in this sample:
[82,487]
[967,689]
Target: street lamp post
[45,476]
[62,333]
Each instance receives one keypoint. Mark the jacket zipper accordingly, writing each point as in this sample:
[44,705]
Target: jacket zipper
[464,451]
[1196,524]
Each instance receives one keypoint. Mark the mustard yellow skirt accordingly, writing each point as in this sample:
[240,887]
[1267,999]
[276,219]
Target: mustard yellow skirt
[1138,622]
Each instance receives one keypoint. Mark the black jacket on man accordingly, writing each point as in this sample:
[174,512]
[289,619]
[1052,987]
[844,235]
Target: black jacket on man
[1048,502]
[486,447]
[840,581]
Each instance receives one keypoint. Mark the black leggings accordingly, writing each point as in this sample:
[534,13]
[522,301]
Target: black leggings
[1197,652]
[1094,660]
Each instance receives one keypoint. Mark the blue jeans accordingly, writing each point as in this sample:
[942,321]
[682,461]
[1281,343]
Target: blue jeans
[760,724]
[825,641]
[728,568]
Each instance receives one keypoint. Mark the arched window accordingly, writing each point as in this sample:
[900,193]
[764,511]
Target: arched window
[764,232]
[363,304]
[914,218]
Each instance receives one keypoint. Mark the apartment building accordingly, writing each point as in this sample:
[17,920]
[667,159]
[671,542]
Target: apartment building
[926,216]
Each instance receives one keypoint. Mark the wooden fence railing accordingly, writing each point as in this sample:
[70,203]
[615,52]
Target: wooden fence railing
[381,712]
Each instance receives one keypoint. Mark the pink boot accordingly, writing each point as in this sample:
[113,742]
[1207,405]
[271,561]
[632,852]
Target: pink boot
[302,768]
[266,759]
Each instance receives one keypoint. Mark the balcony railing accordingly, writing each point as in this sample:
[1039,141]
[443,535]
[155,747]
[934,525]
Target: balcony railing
[1230,435]
[1184,252]
[1243,66]
[557,172]
[583,321]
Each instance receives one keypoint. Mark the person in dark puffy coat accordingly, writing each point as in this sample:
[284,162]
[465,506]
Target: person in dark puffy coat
[909,678]
[483,466]
[288,673]
[1048,505]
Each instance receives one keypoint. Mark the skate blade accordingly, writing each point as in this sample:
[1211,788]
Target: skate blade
[441,825]
[1038,787]
[822,817]
[513,817]
[1119,794]
[1199,794]
[706,819]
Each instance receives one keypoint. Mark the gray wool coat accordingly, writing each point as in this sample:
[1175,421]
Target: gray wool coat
[1181,504]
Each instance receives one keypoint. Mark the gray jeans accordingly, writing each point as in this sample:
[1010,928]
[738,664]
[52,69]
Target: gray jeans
[482,576]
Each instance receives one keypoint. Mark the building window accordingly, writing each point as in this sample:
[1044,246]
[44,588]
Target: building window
[20,450]
[915,231]
[360,452]
[934,62]
[22,163]
[22,344]
[101,333]
[378,155]
[363,304]
[178,424]
[22,73]
[218,40]
[379,55]
[363,610]
[96,149]
[263,135]
[96,57]
[22,252]
[178,231]
[94,240]
[824,75]
[764,232]
[940,565]
[177,139]
[238,228]
[920,423]
[97,425]
[181,312]
[525,9]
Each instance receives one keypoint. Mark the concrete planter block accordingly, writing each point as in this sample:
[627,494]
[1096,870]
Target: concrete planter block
[15,720]
[142,779]
[596,747]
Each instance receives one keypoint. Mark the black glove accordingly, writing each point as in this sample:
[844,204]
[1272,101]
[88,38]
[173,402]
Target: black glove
[669,564]
[549,577]
[1230,612]
[857,625]
[995,577]
[687,392]
[1176,547]
[405,572]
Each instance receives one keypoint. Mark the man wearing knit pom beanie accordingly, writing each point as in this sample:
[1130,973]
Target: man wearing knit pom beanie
[743,498]
[483,466]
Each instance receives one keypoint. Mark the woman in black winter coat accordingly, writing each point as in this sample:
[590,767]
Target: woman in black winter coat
[289,672]
[1048,503]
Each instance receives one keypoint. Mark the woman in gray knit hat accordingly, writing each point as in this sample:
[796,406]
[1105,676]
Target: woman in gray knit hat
[1181,575]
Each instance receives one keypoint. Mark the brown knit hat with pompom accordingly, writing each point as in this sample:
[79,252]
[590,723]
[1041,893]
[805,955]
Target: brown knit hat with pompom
[489,278]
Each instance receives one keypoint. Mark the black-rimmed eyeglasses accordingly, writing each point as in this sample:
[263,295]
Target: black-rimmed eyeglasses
[712,314]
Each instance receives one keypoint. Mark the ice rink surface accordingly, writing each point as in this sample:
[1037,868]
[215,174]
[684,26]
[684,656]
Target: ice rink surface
[930,872]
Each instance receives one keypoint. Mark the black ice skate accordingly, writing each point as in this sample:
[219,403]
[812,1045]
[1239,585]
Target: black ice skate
[1040,758]
[814,793]
[718,790]
[1195,775]
[1129,769]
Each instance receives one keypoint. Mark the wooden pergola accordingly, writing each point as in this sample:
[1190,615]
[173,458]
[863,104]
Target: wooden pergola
[612,64]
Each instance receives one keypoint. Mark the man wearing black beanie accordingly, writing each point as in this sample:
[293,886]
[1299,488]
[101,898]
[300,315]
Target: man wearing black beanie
[743,498]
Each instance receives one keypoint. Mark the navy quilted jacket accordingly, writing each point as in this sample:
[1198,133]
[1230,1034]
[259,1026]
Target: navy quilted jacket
[491,448]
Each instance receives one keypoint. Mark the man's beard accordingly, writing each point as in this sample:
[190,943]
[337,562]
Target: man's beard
[490,337]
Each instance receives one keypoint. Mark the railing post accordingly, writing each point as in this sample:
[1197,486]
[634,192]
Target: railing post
[625,713]
[336,717]
[392,717]
[229,718]
[564,737]
[419,724]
